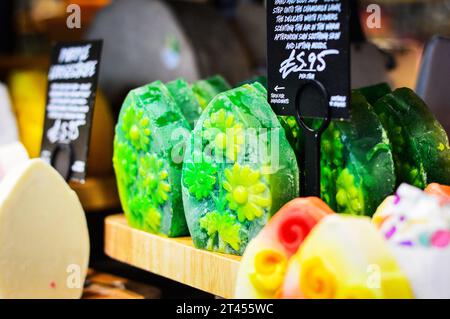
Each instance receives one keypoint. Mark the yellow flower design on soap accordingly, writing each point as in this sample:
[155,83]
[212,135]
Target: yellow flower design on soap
[125,162]
[136,127]
[224,133]
[152,220]
[247,194]
[154,178]
[317,281]
[270,268]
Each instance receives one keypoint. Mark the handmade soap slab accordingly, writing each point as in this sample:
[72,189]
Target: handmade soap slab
[44,239]
[417,227]
[293,132]
[8,123]
[368,176]
[206,90]
[414,218]
[238,170]
[441,191]
[420,145]
[426,269]
[344,257]
[262,79]
[148,150]
[186,100]
[265,260]
[357,165]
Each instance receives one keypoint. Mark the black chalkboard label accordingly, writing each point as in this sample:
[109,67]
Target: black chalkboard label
[308,40]
[72,85]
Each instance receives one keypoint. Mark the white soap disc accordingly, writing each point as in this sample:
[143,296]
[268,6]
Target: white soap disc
[12,155]
[44,240]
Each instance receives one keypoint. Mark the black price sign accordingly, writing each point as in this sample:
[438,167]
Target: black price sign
[72,85]
[308,41]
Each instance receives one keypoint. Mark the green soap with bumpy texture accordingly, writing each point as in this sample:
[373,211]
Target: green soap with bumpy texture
[186,100]
[262,79]
[206,90]
[293,132]
[367,176]
[356,165]
[420,144]
[148,150]
[238,170]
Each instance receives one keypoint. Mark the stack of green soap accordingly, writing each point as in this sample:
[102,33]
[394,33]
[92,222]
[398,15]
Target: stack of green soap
[149,140]
[186,100]
[206,90]
[153,126]
[420,144]
[357,168]
[293,131]
[238,170]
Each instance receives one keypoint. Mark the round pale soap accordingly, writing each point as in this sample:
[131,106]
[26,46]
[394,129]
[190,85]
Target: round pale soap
[413,218]
[344,257]
[238,170]
[11,155]
[44,240]
[441,191]
[416,225]
[426,269]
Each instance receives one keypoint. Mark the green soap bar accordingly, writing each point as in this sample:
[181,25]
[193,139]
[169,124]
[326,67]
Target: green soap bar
[260,79]
[332,154]
[292,130]
[420,144]
[238,170]
[206,90]
[186,100]
[148,150]
[357,170]
[367,176]
[375,92]
[331,163]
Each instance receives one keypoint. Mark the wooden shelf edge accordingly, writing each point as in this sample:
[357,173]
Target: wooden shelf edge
[173,258]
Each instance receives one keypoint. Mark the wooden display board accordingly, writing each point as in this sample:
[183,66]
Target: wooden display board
[174,258]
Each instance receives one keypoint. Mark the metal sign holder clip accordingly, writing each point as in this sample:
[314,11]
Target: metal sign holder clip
[310,154]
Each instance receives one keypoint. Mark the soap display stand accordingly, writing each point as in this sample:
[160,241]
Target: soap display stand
[173,258]
[177,258]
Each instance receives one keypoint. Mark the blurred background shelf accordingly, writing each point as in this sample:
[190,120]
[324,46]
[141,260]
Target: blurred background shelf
[97,193]
[174,258]
[9,62]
